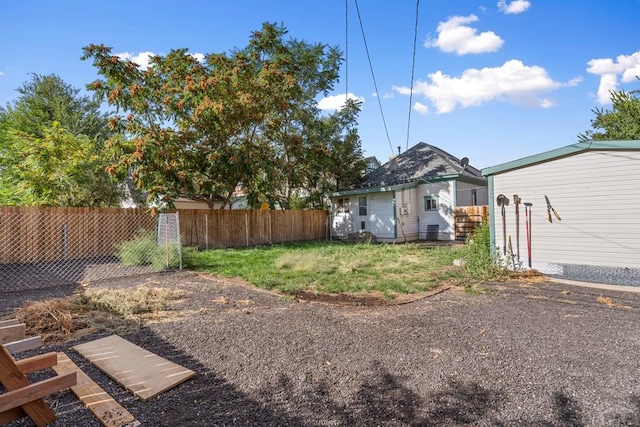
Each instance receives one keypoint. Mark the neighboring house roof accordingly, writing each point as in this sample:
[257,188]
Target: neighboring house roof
[569,150]
[420,163]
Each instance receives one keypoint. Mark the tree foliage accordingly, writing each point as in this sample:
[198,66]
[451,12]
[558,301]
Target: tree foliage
[622,122]
[245,118]
[51,148]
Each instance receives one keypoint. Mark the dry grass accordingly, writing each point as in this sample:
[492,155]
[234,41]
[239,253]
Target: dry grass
[609,302]
[116,310]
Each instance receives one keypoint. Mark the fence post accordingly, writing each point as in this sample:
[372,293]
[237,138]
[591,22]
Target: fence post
[206,231]
[65,253]
[246,228]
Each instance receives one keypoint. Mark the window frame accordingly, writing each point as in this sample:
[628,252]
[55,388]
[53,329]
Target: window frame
[431,203]
[362,207]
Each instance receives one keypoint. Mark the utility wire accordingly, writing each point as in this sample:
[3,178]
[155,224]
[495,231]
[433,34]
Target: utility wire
[375,85]
[346,50]
[413,68]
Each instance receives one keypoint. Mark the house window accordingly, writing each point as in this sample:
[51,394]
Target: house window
[474,197]
[362,203]
[343,206]
[430,203]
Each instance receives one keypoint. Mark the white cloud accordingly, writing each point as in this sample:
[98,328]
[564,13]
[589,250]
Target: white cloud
[512,82]
[388,95]
[198,56]
[421,108]
[454,35]
[1,74]
[627,66]
[514,7]
[336,102]
[143,58]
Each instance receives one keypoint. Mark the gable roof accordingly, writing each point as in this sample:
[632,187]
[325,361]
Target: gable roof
[422,162]
[569,150]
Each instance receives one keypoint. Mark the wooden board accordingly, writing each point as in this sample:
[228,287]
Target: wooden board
[140,371]
[9,322]
[12,333]
[109,412]
[23,345]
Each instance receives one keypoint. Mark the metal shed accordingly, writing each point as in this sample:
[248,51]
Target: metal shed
[594,188]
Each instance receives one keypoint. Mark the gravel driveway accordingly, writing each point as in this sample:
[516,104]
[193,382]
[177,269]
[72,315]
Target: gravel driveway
[517,354]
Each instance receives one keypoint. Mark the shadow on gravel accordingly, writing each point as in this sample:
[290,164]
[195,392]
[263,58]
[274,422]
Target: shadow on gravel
[205,400]
[383,399]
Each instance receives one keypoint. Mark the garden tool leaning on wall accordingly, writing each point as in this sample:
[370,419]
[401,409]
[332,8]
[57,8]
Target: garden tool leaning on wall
[516,202]
[550,209]
[527,222]
[503,201]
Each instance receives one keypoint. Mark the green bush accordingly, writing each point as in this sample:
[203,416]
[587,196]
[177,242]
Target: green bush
[479,261]
[144,250]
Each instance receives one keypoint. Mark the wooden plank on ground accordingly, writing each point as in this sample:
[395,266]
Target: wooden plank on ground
[104,407]
[30,343]
[140,371]
[13,333]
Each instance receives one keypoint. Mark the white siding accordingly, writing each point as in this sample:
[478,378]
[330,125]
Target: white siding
[464,191]
[381,220]
[341,222]
[598,197]
[407,211]
[443,217]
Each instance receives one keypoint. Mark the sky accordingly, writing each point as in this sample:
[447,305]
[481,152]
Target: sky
[493,80]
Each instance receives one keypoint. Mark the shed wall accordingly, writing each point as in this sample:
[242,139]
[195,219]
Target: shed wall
[597,195]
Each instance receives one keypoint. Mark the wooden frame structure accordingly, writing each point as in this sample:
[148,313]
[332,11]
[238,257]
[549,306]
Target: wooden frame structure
[23,399]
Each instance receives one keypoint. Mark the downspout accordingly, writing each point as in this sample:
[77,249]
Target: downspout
[492,228]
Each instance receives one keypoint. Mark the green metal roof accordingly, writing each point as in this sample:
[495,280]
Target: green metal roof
[569,150]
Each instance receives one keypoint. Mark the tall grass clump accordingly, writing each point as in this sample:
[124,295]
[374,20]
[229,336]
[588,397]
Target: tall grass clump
[144,250]
[480,262]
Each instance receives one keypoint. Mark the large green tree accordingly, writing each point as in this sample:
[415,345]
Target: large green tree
[52,148]
[621,122]
[202,128]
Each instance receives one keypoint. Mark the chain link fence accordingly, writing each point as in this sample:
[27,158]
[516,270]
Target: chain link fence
[49,247]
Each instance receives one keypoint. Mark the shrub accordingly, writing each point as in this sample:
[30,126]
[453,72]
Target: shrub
[479,261]
[144,250]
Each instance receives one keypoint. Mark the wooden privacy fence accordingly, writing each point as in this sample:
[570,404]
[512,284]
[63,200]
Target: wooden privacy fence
[33,234]
[38,234]
[467,218]
[206,229]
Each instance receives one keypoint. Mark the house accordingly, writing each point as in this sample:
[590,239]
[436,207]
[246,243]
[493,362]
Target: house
[593,188]
[414,193]
[371,164]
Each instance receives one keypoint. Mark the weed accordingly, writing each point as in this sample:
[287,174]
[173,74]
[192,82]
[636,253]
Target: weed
[144,250]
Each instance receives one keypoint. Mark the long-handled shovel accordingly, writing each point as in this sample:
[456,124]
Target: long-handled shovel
[503,201]
[527,213]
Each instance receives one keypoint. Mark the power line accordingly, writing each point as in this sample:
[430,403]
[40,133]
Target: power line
[375,85]
[346,50]
[413,68]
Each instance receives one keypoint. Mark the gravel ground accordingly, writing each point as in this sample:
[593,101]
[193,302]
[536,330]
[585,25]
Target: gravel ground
[518,354]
